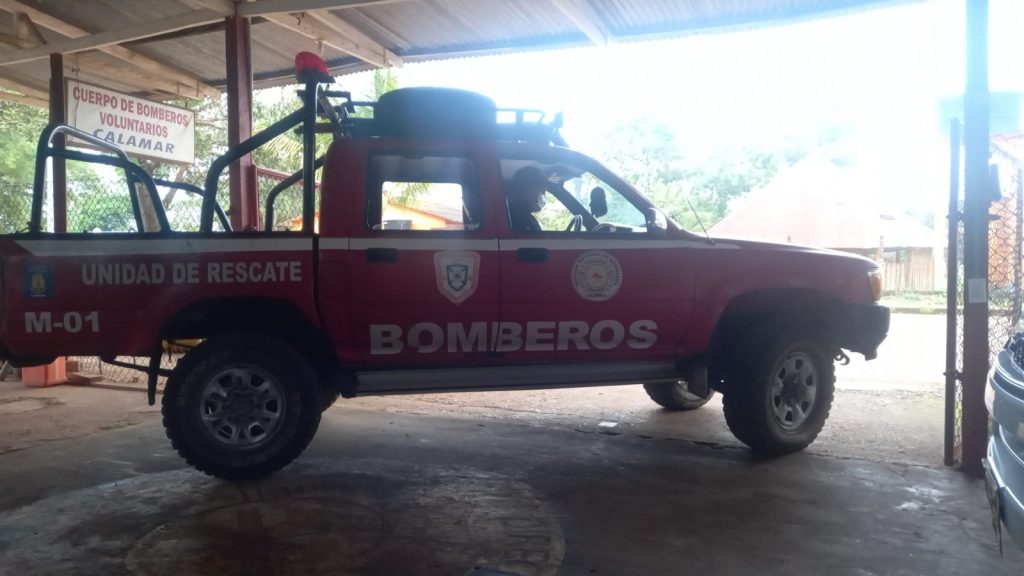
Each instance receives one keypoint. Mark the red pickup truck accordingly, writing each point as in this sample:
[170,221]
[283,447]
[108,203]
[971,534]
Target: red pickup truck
[407,273]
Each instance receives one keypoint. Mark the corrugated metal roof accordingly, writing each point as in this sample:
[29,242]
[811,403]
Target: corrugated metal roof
[415,30]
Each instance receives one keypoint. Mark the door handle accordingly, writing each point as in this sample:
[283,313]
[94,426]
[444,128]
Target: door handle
[532,254]
[382,254]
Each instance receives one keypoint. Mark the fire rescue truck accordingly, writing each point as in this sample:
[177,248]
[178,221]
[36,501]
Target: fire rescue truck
[371,293]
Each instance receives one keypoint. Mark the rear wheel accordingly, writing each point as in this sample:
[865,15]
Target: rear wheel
[780,392]
[676,395]
[241,405]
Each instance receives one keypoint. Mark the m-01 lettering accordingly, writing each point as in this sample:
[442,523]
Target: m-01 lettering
[71,322]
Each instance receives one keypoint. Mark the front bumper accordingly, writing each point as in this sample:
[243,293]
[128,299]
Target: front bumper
[865,327]
[1004,464]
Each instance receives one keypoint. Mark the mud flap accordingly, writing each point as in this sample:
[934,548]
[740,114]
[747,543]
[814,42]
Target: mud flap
[992,492]
[152,373]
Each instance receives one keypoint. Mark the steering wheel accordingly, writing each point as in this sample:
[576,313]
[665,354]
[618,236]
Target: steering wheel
[603,227]
[576,224]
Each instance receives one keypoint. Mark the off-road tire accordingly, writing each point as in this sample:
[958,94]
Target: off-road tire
[675,396]
[747,401]
[183,405]
[328,397]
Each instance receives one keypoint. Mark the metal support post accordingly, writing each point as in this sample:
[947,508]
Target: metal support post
[244,210]
[60,172]
[976,205]
[952,305]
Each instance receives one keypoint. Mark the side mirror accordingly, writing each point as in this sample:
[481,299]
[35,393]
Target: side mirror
[656,221]
[598,202]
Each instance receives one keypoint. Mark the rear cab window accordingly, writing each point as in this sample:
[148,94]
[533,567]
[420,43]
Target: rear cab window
[421,193]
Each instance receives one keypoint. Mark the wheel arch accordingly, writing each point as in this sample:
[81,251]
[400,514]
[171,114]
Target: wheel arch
[818,311]
[265,315]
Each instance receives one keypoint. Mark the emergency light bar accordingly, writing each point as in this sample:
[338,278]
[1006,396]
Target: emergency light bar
[310,67]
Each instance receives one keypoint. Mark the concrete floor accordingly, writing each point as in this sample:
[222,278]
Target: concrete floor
[524,483]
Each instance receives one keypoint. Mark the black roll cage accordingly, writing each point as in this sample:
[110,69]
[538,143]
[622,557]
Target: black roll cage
[315,102]
[305,118]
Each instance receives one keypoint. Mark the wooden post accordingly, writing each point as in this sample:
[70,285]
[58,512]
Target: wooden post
[60,171]
[244,210]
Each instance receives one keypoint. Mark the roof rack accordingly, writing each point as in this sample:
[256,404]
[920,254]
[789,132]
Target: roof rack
[426,112]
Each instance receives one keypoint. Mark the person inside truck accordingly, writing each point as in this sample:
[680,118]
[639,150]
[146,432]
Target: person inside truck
[526,198]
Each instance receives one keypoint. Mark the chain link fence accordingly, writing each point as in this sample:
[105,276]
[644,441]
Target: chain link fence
[92,366]
[100,200]
[1005,276]
[285,208]
[1004,263]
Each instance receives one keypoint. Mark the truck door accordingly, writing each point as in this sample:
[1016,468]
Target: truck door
[583,281]
[422,270]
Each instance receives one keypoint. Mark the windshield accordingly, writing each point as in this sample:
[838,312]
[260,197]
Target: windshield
[580,194]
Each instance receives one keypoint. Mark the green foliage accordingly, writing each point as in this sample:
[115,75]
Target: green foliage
[96,202]
[20,126]
[647,154]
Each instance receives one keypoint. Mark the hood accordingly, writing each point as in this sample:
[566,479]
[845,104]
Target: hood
[754,245]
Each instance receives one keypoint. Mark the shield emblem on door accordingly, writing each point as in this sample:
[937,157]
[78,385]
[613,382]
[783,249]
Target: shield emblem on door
[456,274]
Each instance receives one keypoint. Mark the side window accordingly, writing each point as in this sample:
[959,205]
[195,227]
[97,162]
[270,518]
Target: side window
[412,192]
[620,212]
[556,197]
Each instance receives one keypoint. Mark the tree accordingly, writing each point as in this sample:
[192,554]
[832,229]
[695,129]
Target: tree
[20,126]
[691,191]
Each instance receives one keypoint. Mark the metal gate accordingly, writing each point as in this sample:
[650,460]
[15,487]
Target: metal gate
[1005,273]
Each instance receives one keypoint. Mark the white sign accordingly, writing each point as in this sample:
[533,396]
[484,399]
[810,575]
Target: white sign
[140,127]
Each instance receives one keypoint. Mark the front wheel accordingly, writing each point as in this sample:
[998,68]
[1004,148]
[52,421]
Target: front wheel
[676,395]
[780,392]
[241,405]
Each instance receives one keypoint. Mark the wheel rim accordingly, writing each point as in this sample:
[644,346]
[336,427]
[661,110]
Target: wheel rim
[242,407]
[684,391]
[794,387]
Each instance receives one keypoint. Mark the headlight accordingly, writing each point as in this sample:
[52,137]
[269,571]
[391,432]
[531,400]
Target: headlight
[875,284]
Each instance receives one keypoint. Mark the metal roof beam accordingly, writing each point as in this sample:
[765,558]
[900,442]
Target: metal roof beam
[586,19]
[264,7]
[189,85]
[338,34]
[347,30]
[110,37]
[20,98]
[28,87]
[96,65]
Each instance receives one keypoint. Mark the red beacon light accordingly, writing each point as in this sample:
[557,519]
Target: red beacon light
[310,67]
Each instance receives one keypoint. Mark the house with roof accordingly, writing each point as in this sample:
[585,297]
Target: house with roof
[816,203]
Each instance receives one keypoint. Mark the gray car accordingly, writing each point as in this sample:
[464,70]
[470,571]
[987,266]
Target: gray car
[1004,466]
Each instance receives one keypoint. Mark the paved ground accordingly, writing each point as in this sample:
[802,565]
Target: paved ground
[912,358]
[585,481]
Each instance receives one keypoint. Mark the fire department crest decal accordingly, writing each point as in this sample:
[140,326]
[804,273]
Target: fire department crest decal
[596,275]
[456,274]
[38,281]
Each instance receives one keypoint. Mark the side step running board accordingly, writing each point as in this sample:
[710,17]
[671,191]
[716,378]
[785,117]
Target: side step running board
[525,377]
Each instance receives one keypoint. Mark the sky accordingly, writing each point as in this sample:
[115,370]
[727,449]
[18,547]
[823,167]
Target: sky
[875,75]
